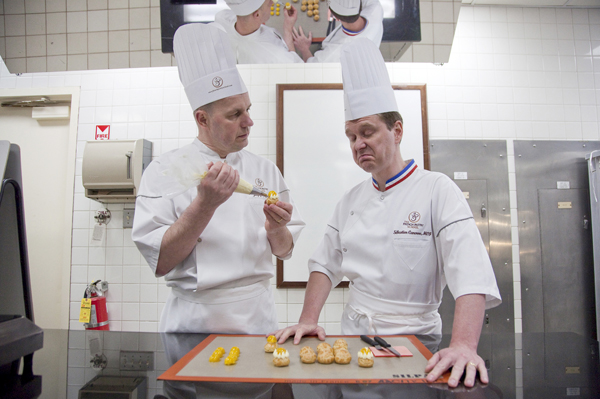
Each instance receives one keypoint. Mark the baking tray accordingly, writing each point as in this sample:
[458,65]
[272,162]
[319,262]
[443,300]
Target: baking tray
[254,365]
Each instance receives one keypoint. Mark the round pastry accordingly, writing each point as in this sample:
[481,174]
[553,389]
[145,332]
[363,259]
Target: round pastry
[342,356]
[281,357]
[273,198]
[365,357]
[308,355]
[303,8]
[310,7]
[316,17]
[325,357]
[288,6]
[271,344]
[322,346]
[340,343]
[309,13]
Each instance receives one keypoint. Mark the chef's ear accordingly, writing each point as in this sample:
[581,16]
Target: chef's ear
[201,116]
[398,132]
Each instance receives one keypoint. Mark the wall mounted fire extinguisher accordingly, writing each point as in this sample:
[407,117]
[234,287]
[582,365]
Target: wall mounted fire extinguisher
[93,306]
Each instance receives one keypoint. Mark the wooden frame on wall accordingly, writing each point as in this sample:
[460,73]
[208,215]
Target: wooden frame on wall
[320,168]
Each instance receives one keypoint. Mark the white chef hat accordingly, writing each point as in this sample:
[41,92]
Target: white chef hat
[367,87]
[206,64]
[345,7]
[244,7]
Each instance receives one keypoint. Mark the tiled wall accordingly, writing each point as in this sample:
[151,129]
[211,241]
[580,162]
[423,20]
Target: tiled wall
[74,35]
[514,73]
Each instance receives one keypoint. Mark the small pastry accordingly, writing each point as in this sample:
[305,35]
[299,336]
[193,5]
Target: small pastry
[309,13]
[281,357]
[340,343]
[316,17]
[342,356]
[308,355]
[303,8]
[322,346]
[365,357]
[288,6]
[271,344]
[230,361]
[325,357]
[273,198]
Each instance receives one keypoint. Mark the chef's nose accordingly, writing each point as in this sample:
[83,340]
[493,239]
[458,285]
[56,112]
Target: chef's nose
[359,144]
[247,122]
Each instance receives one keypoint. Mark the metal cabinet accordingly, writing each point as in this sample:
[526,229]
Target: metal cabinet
[480,169]
[555,236]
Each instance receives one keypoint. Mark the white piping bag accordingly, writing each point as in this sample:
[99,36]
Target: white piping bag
[183,169]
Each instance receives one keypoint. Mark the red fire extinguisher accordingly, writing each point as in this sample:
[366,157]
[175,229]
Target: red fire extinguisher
[98,319]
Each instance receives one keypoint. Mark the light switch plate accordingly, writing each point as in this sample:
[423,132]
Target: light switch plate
[128,218]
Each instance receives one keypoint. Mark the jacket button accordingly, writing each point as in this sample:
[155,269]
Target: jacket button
[345,250]
[351,212]
[199,239]
[381,198]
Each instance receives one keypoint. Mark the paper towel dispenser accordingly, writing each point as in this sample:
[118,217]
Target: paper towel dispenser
[112,169]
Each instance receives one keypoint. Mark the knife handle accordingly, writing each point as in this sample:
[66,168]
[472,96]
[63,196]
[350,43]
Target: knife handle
[382,342]
[368,340]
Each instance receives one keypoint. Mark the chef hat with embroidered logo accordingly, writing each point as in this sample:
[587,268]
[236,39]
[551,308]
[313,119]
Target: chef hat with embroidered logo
[244,7]
[206,64]
[345,7]
[367,87]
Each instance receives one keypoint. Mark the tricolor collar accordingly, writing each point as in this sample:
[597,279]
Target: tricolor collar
[352,33]
[400,177]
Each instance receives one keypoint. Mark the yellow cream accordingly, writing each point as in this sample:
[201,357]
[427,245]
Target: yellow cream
[271,339]
[281,353]
[365,353]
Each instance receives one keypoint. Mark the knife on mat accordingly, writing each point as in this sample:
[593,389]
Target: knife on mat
[371,342]
[387,346]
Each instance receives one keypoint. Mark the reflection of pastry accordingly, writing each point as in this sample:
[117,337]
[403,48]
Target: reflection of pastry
[271,344]
[325,357]
[273,198]
[365,358]
[307,355]
[342,356]
[281,357]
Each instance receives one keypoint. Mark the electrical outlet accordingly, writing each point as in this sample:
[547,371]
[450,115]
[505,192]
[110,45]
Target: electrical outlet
[128,218]
[137,361]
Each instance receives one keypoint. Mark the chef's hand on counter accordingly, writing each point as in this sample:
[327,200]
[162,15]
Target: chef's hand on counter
[462,355]
[217,185]
[298,331]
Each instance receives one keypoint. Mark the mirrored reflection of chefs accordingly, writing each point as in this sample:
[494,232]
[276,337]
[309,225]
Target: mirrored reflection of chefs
[399,237]
[357,19]
[252,41]
[214,247]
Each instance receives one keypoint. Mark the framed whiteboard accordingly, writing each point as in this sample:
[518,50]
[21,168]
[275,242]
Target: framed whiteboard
[314,156]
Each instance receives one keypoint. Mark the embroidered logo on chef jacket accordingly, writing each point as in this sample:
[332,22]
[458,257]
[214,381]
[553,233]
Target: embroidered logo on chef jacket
[258,182]
[412,226]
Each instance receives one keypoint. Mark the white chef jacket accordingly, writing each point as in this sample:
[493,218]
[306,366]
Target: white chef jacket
[399,248]
[263,46]
[223,285]
[331,46]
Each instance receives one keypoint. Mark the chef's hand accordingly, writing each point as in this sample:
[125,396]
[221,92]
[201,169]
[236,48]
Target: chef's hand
[278,215]
[298,331]
[218,184]
[289,17]
[302,43]
[462,360]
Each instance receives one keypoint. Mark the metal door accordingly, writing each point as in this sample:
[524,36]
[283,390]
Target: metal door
[555,244]
[480,170]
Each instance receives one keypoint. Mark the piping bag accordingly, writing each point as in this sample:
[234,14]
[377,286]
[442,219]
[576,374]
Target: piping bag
[185,168]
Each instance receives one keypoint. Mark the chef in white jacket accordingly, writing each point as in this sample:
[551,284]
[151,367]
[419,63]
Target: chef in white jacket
[214,247]
[358,19]
[254,42]
[399,237]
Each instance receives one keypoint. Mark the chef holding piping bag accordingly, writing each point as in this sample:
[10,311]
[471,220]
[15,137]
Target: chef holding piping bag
[399,237]
[214,247]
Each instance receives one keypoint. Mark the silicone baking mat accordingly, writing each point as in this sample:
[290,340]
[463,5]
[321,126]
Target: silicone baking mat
[254,365]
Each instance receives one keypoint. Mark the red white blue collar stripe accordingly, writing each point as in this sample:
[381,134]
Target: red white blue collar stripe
[352,33]
[400,177]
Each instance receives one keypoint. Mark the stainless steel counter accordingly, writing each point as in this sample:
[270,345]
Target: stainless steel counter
[520,366]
